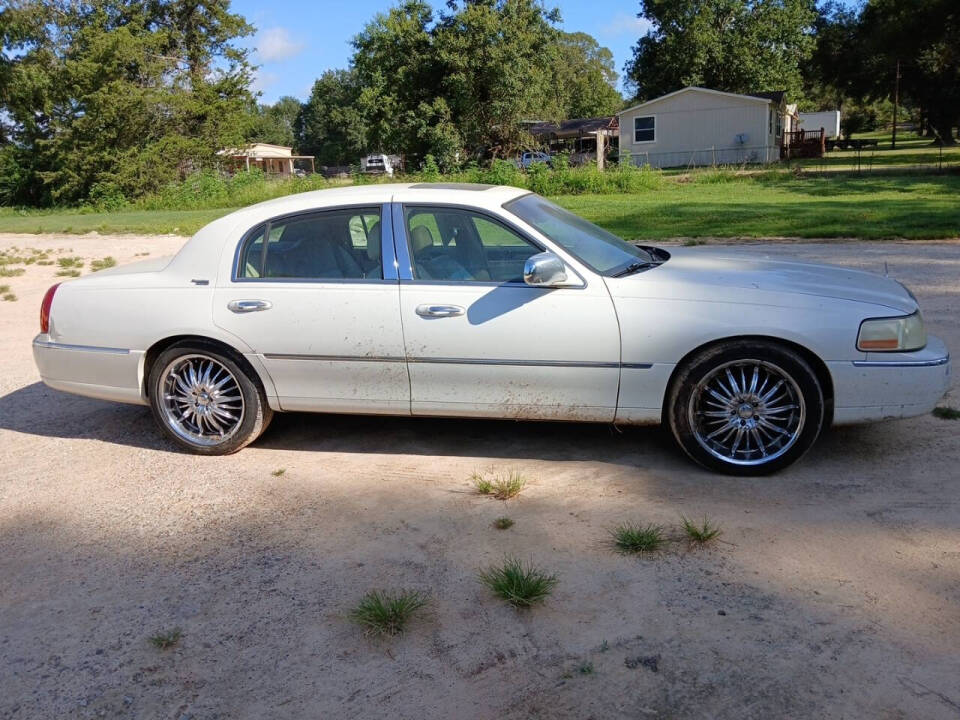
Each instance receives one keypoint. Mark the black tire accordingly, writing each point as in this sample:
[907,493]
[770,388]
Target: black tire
[690,402]
[254,413]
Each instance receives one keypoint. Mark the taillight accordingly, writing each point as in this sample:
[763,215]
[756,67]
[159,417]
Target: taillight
[45,308]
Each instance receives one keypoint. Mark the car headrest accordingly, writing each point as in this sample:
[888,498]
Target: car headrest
[373,243]
[420,239]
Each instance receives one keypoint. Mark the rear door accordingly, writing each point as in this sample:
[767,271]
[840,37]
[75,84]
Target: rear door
[312,295]
[480,342]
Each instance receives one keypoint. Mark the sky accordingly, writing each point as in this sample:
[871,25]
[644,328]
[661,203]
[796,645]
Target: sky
[297,40]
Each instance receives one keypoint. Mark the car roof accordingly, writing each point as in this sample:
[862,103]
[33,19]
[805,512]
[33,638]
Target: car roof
[203,249]
[378,193]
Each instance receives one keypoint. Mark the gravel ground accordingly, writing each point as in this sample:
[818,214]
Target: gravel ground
[833,593]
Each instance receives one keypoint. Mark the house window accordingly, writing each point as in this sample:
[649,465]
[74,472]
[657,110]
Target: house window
[644,129]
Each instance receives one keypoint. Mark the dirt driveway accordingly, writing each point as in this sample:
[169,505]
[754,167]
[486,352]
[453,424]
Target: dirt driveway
[834,594]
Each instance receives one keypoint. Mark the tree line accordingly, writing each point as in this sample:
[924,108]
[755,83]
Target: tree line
[117,98]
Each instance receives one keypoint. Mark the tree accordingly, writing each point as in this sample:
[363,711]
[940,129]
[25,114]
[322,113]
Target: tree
[498,59]
[466,83]
[106,97]
[330,125]
[923,36]
[275,124]
[733,45]
[584,77]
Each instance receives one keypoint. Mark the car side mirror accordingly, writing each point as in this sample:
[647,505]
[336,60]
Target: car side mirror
[544,270]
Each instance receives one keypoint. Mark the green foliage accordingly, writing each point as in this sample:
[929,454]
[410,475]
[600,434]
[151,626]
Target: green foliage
[166,639]
[503,523]
[521,585]
[383,613]
[110,100]
[501,487]
[275,124]
[700,533]
[431,171]
[211,189]
[585,78]
[331,126]
[631,538]
[922,36]
[457,85]
[739,46]
[634,203]
[103,264]
[946,413]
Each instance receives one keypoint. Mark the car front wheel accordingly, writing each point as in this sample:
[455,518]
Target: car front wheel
[205,400]
[746,407]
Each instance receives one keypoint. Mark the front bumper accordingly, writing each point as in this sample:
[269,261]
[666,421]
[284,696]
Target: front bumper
[98,372]
[890,385]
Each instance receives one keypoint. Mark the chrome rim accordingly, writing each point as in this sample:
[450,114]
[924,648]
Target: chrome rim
[747,412]
[202,401]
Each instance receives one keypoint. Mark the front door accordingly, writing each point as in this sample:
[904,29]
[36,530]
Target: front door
[480,342]
[309,295]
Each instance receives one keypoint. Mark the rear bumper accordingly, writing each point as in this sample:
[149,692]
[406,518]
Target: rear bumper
[98,372]
[888,385]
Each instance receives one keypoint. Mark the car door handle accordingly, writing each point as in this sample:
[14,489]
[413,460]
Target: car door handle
[248,306]
[439,311]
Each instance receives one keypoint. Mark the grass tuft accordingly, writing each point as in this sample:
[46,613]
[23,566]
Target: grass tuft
[11,272]
[9,297]
[700,533]
[383,613]
[502,487]
[107,262]
[70,262]
[519,584]
[503,523]
[630,538]
[946,413]
[68,273]
[585,668]
[166,639]
[278,472]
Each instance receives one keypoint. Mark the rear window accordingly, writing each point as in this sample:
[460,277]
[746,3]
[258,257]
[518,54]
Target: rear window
[331,245]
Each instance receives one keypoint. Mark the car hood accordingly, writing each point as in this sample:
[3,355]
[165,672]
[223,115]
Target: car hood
[709,274]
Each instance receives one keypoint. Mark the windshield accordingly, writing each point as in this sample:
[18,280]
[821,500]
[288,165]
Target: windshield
[602,251]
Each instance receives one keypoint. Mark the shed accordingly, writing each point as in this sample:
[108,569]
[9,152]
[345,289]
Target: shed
[699,126]
[829,120]
[586,138]
[272,159]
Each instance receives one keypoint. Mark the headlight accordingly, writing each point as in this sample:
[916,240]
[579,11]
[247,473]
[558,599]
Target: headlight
[896,334]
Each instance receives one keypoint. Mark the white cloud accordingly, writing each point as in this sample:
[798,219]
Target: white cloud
[276,43]
[625,24]
[263,81]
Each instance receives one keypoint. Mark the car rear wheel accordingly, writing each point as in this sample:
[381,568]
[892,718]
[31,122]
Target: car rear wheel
[205,401]
[746,407]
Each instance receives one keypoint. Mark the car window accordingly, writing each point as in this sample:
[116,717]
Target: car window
[592,245]
[328,245]
[459,245]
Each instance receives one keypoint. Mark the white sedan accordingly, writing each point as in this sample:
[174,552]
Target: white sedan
[482,301]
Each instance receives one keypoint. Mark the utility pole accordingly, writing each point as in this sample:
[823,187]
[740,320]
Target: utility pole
[896,105]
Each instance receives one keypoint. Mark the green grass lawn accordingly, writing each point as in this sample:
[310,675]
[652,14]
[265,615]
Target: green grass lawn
[149,222]
[912,150]
[706,204]
[783,205]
